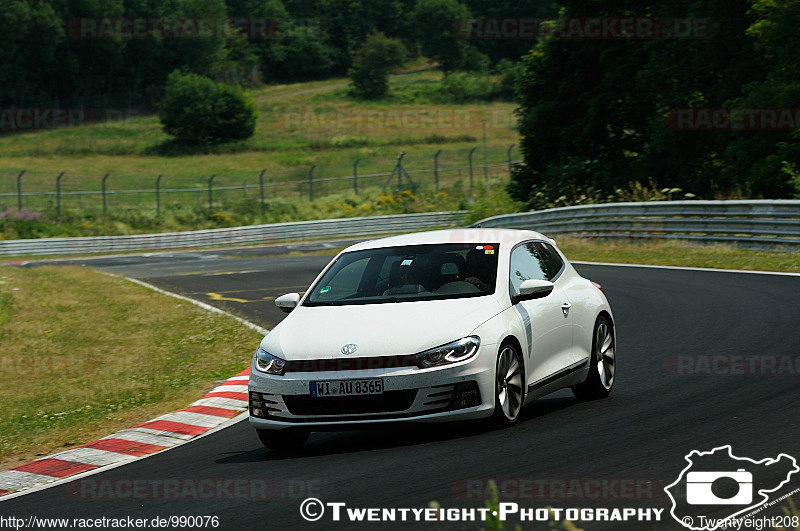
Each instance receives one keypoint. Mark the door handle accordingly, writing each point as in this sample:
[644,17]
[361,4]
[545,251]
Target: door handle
[565,308]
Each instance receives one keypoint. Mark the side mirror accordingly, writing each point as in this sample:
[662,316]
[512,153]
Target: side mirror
[287,302]
[534,289]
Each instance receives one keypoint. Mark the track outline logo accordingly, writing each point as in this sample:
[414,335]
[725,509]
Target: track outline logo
[700,492]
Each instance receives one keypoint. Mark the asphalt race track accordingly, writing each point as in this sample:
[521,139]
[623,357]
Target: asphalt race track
[653,419]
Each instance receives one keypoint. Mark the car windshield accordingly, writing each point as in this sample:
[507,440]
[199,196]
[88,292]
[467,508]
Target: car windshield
[408,273]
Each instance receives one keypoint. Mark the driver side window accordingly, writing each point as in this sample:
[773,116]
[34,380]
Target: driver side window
[528,261]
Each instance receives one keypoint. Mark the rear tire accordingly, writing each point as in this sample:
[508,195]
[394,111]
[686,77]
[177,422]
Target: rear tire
[283,440]
[508,386]
[603,364]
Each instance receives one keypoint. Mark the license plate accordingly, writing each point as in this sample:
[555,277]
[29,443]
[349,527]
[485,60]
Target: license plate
[347,387]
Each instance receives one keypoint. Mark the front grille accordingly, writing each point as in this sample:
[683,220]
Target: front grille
[352,364]
[388,402]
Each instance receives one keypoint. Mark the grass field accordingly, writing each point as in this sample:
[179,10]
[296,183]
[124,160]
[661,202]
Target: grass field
[676,253]
[299,125]
[76,364]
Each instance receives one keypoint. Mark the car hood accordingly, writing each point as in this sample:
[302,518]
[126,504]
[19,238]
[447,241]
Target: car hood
[320,332]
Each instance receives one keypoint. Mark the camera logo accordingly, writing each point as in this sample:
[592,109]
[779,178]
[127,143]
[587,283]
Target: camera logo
[715,487]
[699,487]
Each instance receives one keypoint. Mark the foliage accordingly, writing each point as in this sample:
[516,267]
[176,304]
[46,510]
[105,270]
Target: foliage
[437,24]
[510,75]
[373,63]
[595,114]
[508,48]
[497,202]
[370,201]
[195,110]
[300,53]
[794,175]
[462,87]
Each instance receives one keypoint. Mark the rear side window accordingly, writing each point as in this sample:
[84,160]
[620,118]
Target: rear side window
[553,260]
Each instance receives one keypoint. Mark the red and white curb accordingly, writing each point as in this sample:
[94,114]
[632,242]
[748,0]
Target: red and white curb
[216,408]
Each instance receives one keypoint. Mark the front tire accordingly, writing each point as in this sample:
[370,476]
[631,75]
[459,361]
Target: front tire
[508,386]
[283,440]
[602,366]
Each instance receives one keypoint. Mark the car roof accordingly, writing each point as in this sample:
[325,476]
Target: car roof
[504,237]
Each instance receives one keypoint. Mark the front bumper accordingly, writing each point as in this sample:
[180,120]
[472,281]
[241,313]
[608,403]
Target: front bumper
[409,394]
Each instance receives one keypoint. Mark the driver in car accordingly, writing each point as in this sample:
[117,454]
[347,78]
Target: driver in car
[479,268]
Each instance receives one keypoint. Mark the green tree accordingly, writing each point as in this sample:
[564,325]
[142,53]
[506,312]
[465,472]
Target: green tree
[372,65]
[439,25]
[758,160]
[510,48]
[300,53]
[195,110]
[594,113]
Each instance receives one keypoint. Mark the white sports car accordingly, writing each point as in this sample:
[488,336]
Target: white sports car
[428,327]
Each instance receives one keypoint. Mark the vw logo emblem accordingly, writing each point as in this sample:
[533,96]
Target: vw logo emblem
[349,348]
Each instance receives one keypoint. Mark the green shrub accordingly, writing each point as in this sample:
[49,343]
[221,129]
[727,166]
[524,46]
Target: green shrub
[460,87]
[197,111]
[790,170]
[372,65]
[510,72]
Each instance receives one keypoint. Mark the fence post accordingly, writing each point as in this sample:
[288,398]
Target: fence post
[19,190]
[158,196]
[211,193]
[485,163]
[471,151]
[103,184]
[436,169]
[311,183]
[58,194]
[355,175]
[261,187]
[510,171]
[400,170]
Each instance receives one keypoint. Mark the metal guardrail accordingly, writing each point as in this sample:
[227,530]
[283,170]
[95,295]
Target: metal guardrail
[254,234]
[757,223]
[751,223]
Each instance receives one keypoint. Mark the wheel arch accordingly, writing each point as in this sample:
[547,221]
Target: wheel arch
[512,339]
[605,313]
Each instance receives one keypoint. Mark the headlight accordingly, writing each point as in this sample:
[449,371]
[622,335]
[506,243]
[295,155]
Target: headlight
[454,352]
[266,362]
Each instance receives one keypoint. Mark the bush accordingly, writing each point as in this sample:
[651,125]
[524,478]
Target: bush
[791,171]
[510,72]
[460,87]
[195,110]
[372,65]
